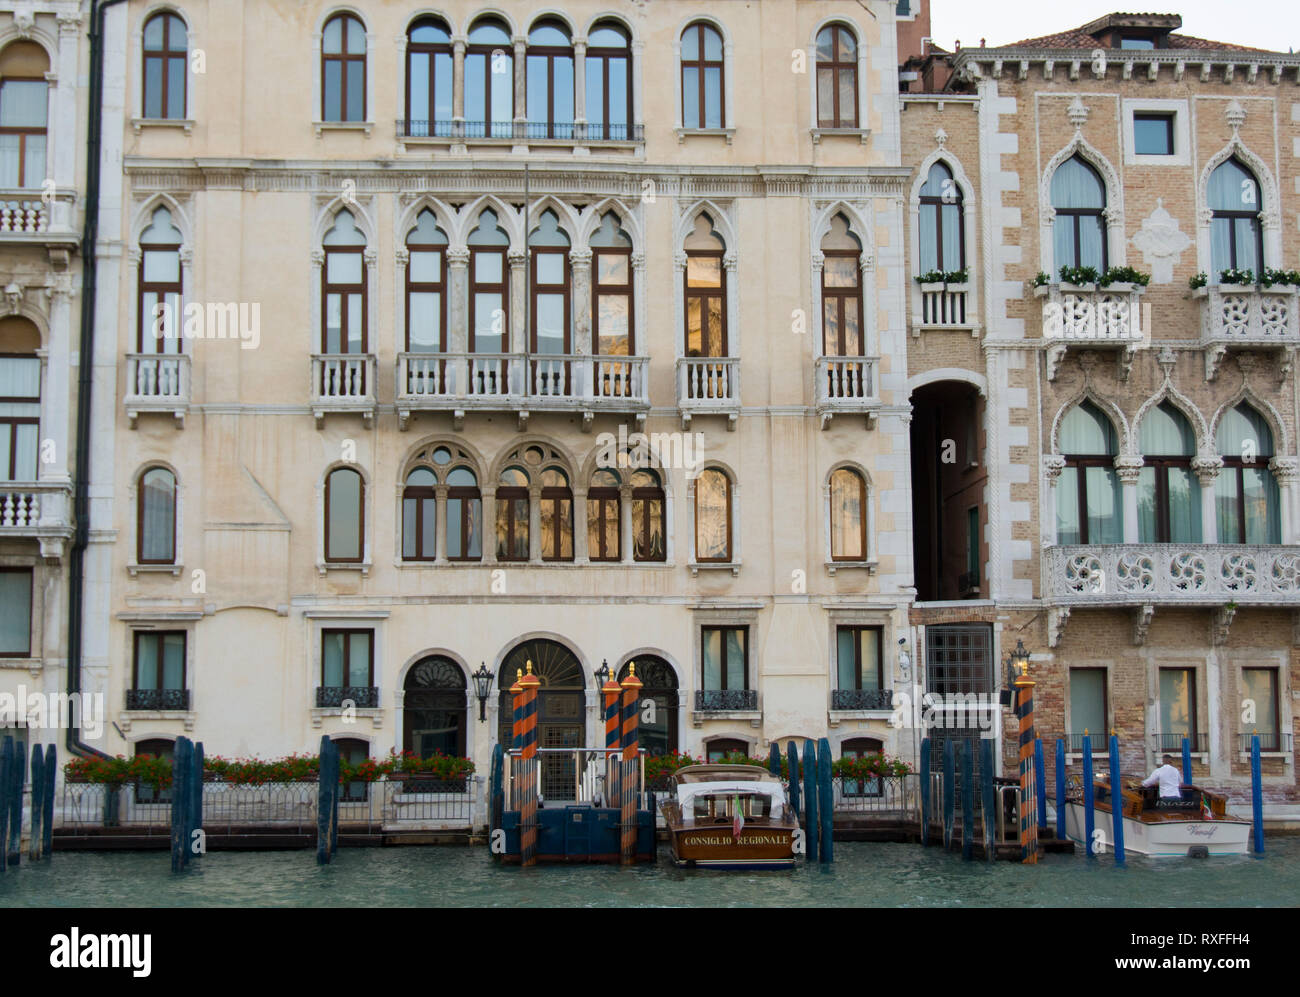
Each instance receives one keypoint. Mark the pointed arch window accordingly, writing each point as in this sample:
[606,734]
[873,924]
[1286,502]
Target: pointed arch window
[943,223]
[703,83]
[489,81]
[426,286]
[343,69]
[166,59]
[611,297]
[1246,499]
[20,416]
[345,494]
[648,504]
[1236,238]
[713,516]
[464,515]
[156,517]
[512,514]
[842,291]
[609,83]
[489,291]
[550,334]
[24,114]
[428,78]
[158,324]
[837,77]
[1079,229]
[549,64]
[419,515]
[1088,506]
[1169,496]
[604,512]
[706,291]
[848,515]
[556,516]
[343,291]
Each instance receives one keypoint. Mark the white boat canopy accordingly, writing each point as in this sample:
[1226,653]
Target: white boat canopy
[688,792]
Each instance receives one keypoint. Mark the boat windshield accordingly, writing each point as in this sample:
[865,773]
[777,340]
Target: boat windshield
[716,801]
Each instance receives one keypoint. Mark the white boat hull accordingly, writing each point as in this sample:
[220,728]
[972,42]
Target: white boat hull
[1222,836]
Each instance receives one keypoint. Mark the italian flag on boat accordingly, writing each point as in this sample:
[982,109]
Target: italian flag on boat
[738,820]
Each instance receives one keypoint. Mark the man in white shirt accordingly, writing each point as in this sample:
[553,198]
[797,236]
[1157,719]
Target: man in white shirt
[1168,777]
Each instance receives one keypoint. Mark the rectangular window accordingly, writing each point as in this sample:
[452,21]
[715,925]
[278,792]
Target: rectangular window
[159,660]
[1259,692]
[1177,707]
[858,657]
[1088,708]
[347,658]
[1137,44]
[15,612]
[973,545]
[725,657]
[1153,134]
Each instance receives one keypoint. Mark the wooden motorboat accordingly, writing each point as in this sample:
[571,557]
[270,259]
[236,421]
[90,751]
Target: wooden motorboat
[1160,827]
[731,817]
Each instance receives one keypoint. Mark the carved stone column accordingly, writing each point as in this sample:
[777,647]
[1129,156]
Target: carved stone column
[580,551]
[1207,470]
[1127,470]
[580,261]
[1053,465]
[442,526]
[518,324]
[490,524]
[1284,472]
[457,338]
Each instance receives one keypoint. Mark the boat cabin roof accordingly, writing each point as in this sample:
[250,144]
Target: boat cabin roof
[730,774]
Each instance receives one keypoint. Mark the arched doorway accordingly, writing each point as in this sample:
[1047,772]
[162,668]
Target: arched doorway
[434,708]
[561,709]
[657,736]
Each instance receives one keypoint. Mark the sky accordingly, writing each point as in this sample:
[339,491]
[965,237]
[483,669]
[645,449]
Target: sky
[1270,24]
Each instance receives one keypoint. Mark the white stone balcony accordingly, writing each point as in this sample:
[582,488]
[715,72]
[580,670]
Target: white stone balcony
[1243,316]
[28,217]
[1089,317]
[846,386]
[157,382]
[708,386]
[946,306]
[459,382]
[343,383]
[37,511]
[1148,576]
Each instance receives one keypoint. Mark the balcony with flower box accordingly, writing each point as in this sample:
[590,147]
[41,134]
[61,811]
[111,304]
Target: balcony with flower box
[846,386]
[343,383]
[1090,311]
[1248,316]
[38,510]
[157,382]
[1147,576]
[946,306]
[708,386]
[521,383]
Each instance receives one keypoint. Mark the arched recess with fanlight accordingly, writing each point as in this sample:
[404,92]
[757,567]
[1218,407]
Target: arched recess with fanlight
[561,707]
[434,708]
[657,731]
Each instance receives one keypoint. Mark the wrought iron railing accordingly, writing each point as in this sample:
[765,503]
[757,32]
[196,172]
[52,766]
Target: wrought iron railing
[722,700]
[862,699]
[558,131]
[157,699]
[1173,743]
[334,696]
[1134,574]
[1100,743]
[886,795]
[1275,741]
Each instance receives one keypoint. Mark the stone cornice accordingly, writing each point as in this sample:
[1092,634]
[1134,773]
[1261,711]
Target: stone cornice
[506,177]
[1079,61]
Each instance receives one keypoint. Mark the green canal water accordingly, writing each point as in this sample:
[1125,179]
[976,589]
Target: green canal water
[864,874]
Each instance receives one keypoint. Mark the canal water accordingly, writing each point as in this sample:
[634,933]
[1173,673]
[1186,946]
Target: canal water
[864,874]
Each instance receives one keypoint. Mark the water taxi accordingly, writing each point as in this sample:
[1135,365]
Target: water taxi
[1195,824]
[731,817]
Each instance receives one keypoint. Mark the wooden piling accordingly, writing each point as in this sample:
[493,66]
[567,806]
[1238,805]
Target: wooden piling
[38,809]
[792,762]
[631,748]
[47,799]
[1028,825]
[811,829]
[826,802]
[924,761]
[613,730]
[325,790]
[181,766]
[1187,760]
[967,801]
[990,799]
[1040,783]
[1088,816]
[1060,789]
[1256,796]
[6,780]
[1116,801]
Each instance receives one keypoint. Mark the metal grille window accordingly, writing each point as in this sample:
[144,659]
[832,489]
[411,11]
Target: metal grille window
[158,681]
[725,657]
[658,736]
[958,663]
[859,673]
[347,659]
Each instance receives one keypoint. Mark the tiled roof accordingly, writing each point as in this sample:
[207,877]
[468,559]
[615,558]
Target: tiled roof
[1078,39]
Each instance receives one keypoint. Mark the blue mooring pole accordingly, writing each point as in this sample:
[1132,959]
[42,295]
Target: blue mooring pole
[181,767]
[1187,760]
[990,799]
[325,790]
[1256,795]
[1087,794]
[1116,801]
[826,805]
[17,776]
[810,797]
[196,802]
[6,763]
[792,760]
[1060,789]
[38,807]
[949,791]
[967,801]
[925,791]
[774,759]
[47,822]
[1040,783]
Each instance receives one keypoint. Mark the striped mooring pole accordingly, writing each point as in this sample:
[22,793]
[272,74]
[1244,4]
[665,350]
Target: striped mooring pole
[613,725]
[528,754]
[631,750]
[516,737]
[1028,819]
